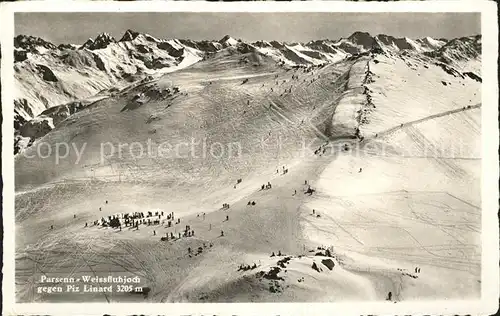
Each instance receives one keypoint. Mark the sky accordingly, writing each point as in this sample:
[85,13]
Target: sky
[76,28]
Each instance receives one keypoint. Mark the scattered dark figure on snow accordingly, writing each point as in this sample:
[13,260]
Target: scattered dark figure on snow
[227,217]
[86,225]
[253,202]
[100,209]
[309,191]
[314,211]
[51,226]
[273,255]
[222,233]
[389,296]
[74,216]
[360,169]
[106,201]
[154,232]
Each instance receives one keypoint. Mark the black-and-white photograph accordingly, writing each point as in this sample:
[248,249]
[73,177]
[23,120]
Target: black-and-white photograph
[237,157]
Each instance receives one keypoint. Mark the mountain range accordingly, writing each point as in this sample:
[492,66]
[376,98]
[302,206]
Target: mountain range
[71,76]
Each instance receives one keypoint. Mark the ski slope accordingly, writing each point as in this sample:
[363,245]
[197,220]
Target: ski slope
[412,205]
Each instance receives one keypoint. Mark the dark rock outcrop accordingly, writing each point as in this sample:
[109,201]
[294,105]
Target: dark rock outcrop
[172,51]
[20,55]
[328,263]
[46,73]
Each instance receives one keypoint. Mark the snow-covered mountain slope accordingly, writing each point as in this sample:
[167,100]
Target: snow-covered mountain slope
[47,75]
[393,200]
[463,53]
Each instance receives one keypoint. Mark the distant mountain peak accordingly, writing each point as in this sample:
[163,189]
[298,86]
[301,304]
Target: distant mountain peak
[101,41]
[225,38]
[359,36]
[362,38]
[129,35]
[30,43]
[228,41]
[105,36]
